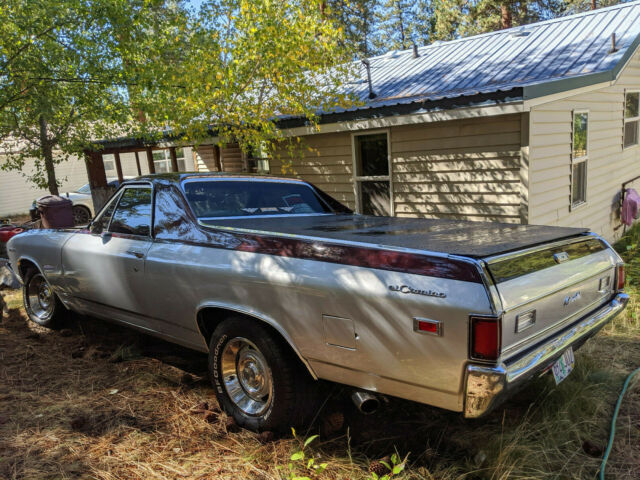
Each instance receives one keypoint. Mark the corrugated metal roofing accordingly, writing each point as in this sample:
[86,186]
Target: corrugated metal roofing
[541,58]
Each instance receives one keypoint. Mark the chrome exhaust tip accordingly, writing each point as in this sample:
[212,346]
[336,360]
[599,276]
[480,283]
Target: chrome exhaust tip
[365,402]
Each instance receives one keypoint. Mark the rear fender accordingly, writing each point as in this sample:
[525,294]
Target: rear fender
[261,317]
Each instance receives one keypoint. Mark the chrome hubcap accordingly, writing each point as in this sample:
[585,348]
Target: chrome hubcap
[247,376]
[40,297]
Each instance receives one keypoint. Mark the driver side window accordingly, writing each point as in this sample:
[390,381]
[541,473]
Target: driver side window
[133,214]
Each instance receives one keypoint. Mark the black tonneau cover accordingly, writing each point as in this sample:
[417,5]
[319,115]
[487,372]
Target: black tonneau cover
[472,239]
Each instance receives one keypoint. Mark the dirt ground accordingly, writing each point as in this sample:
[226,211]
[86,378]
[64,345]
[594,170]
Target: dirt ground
[98,401]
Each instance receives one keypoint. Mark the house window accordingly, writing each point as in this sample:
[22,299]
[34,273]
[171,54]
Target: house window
[162,160]
[371,174]
[109,163]
[631,118]
[579,158]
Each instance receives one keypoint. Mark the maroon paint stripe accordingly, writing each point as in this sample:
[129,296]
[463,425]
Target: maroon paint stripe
[360,257]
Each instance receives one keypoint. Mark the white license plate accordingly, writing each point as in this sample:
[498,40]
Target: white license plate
[564,365]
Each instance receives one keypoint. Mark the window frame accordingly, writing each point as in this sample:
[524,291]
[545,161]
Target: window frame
[577,160]
[626,120]
[151,217]
[167,159]
[358,179]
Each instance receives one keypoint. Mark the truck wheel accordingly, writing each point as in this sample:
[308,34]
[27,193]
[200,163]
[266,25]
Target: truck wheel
[81,215]
[257,379]
[40,302]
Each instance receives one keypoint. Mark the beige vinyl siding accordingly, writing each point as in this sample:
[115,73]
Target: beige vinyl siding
[609,164]
[463,169]
[204,159]
[17,193]
[324,160]
[231,157]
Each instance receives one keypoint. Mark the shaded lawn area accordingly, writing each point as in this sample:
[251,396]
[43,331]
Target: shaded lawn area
[100,401]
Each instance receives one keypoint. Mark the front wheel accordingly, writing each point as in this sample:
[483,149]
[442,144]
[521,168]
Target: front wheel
[40,302]
[258,380]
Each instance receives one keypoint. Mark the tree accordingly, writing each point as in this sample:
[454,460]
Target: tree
[77,70]
[358,20]
[244,64]
[401,23]
[64,78]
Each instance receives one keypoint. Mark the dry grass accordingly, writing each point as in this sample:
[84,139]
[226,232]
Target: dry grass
[100,401]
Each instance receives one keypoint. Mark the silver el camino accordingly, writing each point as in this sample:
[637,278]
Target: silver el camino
[282,286]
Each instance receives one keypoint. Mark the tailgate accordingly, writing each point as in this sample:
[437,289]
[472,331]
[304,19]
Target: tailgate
[548,287]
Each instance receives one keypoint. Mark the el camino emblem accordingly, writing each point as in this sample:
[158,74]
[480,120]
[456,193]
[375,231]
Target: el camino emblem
[571,298]
[561,257]
[407,289]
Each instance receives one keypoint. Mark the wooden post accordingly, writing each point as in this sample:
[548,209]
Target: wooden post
[138,163]
[174,159]
[152,167]
[216,154]
[116,155]
[100,191]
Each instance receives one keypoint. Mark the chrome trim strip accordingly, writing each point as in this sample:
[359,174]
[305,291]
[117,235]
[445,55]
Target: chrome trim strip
[486,387]
[544,246]
[277,215]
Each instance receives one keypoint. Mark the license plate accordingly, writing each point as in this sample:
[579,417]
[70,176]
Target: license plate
[564,365]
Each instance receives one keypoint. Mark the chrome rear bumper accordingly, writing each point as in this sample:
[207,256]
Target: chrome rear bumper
[487,387]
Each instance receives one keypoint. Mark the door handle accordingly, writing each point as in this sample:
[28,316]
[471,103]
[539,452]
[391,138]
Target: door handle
[135,254]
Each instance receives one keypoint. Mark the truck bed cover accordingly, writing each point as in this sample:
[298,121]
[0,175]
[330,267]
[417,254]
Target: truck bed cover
[465,238]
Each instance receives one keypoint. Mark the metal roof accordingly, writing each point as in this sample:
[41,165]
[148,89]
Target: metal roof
[541,58]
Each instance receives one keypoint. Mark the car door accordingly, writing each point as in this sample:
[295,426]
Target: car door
[105,266]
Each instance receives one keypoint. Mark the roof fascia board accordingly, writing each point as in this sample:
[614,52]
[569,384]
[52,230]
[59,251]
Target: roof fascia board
[416,118]
[533,102]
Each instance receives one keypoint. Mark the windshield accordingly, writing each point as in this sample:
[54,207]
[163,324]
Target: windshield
[84,189]
[242,198]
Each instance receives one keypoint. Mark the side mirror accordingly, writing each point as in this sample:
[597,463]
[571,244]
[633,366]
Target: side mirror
[106,236]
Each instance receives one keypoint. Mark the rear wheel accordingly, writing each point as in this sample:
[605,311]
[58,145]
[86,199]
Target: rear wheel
[258,380]
[40,302]
[81,215]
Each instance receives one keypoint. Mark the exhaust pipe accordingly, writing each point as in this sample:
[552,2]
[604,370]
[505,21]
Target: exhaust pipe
[365,402]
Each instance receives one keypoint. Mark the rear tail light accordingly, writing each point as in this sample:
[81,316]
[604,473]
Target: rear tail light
[486,333]
[620,275]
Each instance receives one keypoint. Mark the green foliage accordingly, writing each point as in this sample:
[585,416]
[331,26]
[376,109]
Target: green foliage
[302,465]
[244,63]
[395,468]
[76,70]
[66,67]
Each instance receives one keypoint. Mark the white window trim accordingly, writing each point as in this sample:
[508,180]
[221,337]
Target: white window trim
[626,120]
[577,160]
[382,178]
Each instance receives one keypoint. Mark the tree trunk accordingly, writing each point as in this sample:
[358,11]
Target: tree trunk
[47,155]
[593,5]
[506,19]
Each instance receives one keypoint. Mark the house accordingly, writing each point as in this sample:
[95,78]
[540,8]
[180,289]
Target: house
[17,194]
[536,124]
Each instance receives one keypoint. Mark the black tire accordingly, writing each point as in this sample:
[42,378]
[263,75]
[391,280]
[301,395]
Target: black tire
[289,401]
[40,302]
[81,215]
